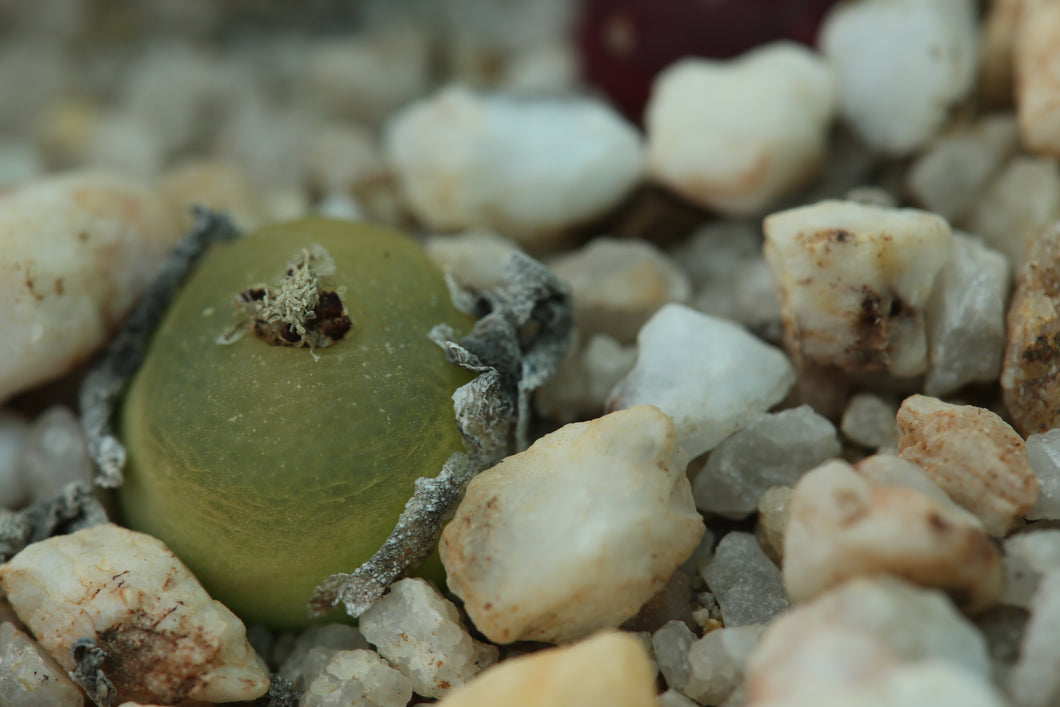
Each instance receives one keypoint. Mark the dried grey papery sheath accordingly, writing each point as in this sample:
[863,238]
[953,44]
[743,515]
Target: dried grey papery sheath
[523,332]
[89,659]
[74,508]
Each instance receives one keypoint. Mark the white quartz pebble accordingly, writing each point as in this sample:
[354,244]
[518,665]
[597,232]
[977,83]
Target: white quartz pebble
[854,281]
[476,259]
[173,92]
[366,77]
[78,251]
[580,387]
[529,168]
[345,158]
[1036,51]
[844,526]
[1035,678]
[853,636]
[337,637]
[716,662]
[54,454]
[730,276]
[166,641]
[951,174]
[1043,453]
[610,668]
[926,683]
[889,470]
[773,450]
[973,455]
[902,65]
[868,420]
[576,533]
[747,585]
[1021,200]
[617,285]
[29,677]
[966,318]
[216,184]
[419,632]
[353,677]
[1028,556]
[736,135]
[774,511]
[709,375]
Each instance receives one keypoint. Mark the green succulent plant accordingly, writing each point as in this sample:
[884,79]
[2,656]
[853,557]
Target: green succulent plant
[287,403]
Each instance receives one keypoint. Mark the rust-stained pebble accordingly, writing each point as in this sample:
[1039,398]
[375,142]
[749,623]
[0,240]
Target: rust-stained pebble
[165,640]
[1030,373]
[973,455]
[844,526]
[854,280]
[77,252]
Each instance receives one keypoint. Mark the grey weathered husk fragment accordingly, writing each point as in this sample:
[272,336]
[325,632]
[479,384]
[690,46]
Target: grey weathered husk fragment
[74,508]
[523,331]
[89,659]
[103,386]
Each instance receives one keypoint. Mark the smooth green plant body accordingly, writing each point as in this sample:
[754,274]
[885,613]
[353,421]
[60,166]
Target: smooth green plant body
[265,469]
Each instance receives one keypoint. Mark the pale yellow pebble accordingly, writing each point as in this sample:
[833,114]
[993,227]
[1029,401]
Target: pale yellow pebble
[611,668]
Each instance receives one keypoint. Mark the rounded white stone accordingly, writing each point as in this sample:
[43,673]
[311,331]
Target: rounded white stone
[711,376]
[902,64]
[617,284]
[576,533]
[851,641]
[527,167]
[736,135]
[419,631]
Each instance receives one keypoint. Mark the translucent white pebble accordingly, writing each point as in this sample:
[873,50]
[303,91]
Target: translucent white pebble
[527,167]
[576,533]
[709,375]
[1043,452]
[420,633]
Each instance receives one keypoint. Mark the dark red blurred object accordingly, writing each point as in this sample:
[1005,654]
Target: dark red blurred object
[625,43]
